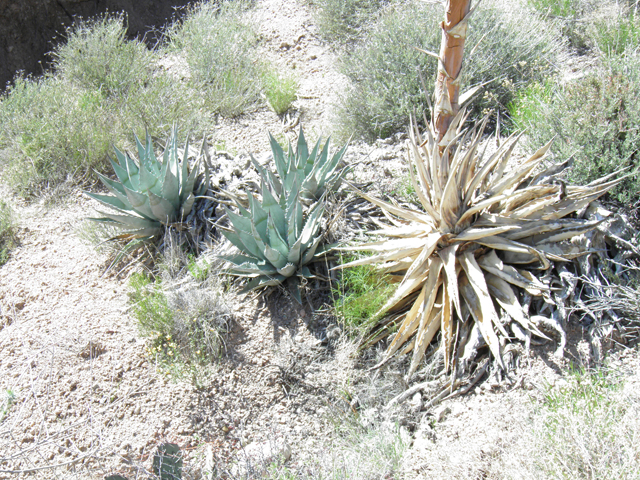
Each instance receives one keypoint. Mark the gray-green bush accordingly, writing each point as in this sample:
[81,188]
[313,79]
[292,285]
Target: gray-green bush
[596,119]
[218,43]
[61,126]
[509,49]
[342,20]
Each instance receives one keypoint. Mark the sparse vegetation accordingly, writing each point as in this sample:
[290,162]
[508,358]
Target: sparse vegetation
[588,429]
[343,20]
[184,317]
[360,294]
[595,119]
[60,127]
[384,68]
[7,231]
[218,43]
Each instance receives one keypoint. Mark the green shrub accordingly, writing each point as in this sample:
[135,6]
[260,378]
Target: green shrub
[509,49]
[184,318]
[360,293]
[342,20]
[280,91]
[218,43]
[614,35]
[61,126]
[7,231]
[596,119]
[556,8]
[98,57]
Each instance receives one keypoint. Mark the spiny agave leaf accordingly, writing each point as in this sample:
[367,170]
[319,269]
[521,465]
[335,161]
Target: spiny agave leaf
[120,172]
[148,182]
[288,270]
[295,252]
[263,281]
[506,298]
[482,309]
[274,210]
[258,217]
[302,151]
[278,157]
[473,234]
[187,205]
[275,239]
[312,224]
[184,168]
[499,243]
[430,323]
[275,257]
[110,201]
[409,324]
[268,177]
[189,181]
[239,259]
[410,215]
[310,254]
[521,278]
[448,257]
[140,204]
[253,269]
[239,222]
[131,220]
[171,189]
[535,229]
[566,233]
[162,208]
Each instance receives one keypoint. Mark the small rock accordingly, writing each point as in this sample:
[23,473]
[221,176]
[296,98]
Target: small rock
[441,413]
[416,402]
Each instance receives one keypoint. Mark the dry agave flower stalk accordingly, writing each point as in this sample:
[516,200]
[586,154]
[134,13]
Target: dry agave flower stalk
[485,233]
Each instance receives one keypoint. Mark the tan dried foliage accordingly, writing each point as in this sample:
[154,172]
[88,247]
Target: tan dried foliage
[485,232]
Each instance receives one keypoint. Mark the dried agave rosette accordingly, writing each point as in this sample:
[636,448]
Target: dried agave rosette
[484,233]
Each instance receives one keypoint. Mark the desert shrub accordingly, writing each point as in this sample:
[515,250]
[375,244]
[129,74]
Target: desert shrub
[184,316]
[509,49]
[62,126]
[98,57]
[596,119]
[7,231]
[218,42]
[342,20]
[614,33]
[587,428]
[280,90]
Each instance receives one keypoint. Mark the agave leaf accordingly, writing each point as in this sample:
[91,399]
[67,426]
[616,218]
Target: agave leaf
[278,157]
[110,201]
[275,211]
[310,254]
[288,270]
[259,217]
[499,243]
[302,151]
[189,181]
[410,323]
[448,257]
[121,173]
[187,205]
[275,239]
[140,203]
[162,208]
[239,222]
[482,307]
[263,281]
[274,257]
[132,221]
[474,234]
[424,336]
[171,189]
[238,259]
[503,294]
[521,278]
[295,252]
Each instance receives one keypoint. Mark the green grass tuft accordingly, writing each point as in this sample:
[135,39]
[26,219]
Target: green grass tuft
[360,293]
[280,90]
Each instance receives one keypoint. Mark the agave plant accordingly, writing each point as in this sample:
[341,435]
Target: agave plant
[275,237]
[485,233]
[315,171]
[151,193]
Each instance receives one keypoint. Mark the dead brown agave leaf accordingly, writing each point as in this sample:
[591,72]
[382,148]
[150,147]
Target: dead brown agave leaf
[484,232]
